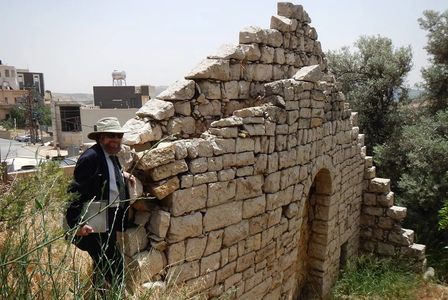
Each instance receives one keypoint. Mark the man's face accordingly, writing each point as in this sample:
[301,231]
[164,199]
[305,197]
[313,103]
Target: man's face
[111,142]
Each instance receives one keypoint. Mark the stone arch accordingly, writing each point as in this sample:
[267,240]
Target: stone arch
[318,215]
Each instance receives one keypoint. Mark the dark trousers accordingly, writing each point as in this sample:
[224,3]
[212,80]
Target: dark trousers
[102,247]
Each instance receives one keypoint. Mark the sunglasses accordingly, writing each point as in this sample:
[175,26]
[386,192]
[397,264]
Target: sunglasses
[112,135]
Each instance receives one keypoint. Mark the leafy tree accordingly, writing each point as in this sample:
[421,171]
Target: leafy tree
[436,75]
[18,113]
[372,79]
[423,173]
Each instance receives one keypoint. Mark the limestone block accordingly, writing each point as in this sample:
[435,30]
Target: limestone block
[159,223]
[245,171]
[141,217]
[186,181]
[150,263]
[386,223]
[252,34]
[251,52]
[415,251]
[211,90]
[253,207]
[184,227]
[221,192]
[273,37]
[245,262]
[243,89]
[186,125]
[272,183]
[233,281]
[226,122]
[187,200]
[235,233]
[182,108]
[261,162]
[195,248]
[139,132]
[176,253]
[214,163]
[230,90]
[267,54]
[210,263]
[156,157]
[249,187]
[226,175]
[258,224]
[211,69]
[289,10]
[292,210]
[235,70]
[397,212]
[228,51]
[229,132]
[244,159]
[369,199]
[262,72]
[274,217]
[283,24]
[180,90]
[198,165]
[184,272]
[379,185]
[213,108]
[310,73]
[245,144]
[249,112]
[205,178]
[255,129]
[222,146]
[168,170]
[225,272]
[386,200]
[214,242]
[156,109]
[132,240]
[373,211]
[223,215]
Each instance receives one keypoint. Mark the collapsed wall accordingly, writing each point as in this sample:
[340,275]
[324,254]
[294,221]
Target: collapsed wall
[262,182]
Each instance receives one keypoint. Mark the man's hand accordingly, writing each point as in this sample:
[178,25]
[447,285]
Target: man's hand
[84,230]
[130,178]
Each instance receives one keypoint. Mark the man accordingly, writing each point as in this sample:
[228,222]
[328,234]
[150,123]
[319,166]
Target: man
[97,176]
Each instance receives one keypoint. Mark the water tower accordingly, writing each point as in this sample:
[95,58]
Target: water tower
[118,78]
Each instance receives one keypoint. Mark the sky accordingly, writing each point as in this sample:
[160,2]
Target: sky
[77,44]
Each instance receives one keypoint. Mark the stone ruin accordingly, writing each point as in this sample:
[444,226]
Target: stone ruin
[262,184]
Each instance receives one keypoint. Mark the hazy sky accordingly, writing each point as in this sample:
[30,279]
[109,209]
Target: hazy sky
[77,44]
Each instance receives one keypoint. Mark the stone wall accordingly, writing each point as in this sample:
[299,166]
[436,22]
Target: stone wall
[260,176]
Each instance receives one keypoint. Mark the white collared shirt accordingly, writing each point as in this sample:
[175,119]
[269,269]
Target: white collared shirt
[114,193]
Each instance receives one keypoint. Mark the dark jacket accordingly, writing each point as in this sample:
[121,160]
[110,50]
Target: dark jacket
[91,179]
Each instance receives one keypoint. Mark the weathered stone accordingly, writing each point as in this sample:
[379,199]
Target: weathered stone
[249,187]
[211,69]
[397,212]
[140,132]
[211,90]
[184,227]
[253,207]
[156,157]
[283,24]
[229,121]
[309,73]
[195,248]
[187,200]
[210,263]
[273,37]
[223,215]
[159,223]
[176,253]
[290,10]
[220,192]
[168,170]
[252,34]
[235,233]
[181,125]
[228,51]
[214,242]
[162,189]
[379,185]
[251,52]
[156,109]
[133,240]
[180,90]
[149,263]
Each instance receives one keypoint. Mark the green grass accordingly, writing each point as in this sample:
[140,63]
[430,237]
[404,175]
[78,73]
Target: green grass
[369,277]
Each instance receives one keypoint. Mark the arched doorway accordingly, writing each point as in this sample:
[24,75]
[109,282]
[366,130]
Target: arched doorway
[315,214]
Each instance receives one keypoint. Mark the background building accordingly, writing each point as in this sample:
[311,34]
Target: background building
[28,80]
[121,96]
